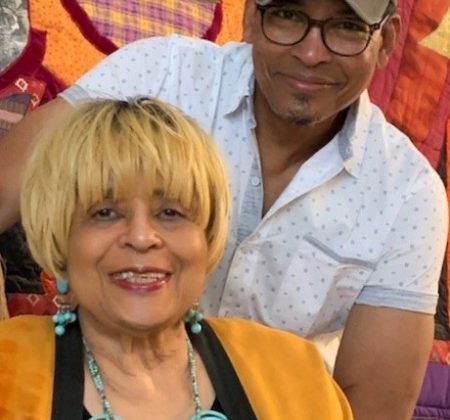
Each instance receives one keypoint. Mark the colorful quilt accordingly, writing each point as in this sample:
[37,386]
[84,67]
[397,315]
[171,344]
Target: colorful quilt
[414,92]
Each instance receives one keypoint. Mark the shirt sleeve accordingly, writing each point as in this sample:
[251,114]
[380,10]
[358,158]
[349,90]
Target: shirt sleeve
[407,275]
[139,68]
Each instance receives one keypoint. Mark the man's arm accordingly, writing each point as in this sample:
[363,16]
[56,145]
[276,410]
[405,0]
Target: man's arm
[15,148]
[382,360]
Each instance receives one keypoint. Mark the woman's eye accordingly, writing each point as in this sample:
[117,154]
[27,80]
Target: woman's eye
[170,213]
[105,214]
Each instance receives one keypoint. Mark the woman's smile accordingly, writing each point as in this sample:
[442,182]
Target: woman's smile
[142,280]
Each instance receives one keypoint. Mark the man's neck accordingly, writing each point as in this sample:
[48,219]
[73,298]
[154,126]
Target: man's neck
[284,146]
[293,143]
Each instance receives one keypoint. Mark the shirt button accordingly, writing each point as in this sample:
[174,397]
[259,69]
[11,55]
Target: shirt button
[255,181]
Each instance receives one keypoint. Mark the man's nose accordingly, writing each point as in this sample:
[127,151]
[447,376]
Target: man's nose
[311,51]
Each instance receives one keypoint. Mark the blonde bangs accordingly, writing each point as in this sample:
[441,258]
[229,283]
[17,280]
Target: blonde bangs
[125,147]
[104,151]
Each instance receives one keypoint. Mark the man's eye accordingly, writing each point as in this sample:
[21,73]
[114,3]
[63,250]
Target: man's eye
[350,25]
[287,14]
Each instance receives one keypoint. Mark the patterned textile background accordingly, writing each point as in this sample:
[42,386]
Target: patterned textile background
[45,46]
[414,92]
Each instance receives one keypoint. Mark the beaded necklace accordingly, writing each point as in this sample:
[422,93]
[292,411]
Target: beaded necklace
[199,414]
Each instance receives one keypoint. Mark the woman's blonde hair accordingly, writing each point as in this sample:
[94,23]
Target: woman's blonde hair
[105,148]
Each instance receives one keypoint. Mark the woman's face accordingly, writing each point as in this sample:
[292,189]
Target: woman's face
[137,264]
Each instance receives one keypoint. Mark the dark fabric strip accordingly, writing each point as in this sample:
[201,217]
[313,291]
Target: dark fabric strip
[229,390]
[68,387]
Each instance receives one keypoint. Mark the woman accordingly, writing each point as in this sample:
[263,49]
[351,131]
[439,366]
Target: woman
[127,205]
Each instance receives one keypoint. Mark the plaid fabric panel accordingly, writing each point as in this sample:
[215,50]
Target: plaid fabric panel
[126,21]
[12,110]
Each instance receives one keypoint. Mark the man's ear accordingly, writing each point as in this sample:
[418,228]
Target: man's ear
[390,34]
[250,20]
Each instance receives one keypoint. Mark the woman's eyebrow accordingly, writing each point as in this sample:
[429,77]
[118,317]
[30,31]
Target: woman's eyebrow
[158,192]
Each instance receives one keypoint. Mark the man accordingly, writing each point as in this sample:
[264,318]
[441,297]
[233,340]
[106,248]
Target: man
[338,220]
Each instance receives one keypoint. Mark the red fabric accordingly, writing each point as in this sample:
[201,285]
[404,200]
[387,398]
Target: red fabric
[414,90]
[23,304]
[30,64]
[87,28]
[216,25]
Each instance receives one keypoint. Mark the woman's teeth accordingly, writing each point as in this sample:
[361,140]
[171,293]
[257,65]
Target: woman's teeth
[134,277]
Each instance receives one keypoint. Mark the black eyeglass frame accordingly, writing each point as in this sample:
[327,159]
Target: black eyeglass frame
[319,24]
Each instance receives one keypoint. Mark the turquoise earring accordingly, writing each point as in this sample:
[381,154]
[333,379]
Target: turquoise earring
[194,317]
[65,315]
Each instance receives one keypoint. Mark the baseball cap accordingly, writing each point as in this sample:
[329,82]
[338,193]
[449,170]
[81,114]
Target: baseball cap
[371,11]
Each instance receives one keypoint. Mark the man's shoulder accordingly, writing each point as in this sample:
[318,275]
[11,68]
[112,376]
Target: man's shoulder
[398,153]
[189,46]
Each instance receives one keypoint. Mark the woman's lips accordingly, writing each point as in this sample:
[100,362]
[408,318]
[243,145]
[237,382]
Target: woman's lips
[142,281]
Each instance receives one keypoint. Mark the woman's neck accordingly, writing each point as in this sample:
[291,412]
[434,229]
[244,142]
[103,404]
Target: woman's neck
[134,350]
[145,375]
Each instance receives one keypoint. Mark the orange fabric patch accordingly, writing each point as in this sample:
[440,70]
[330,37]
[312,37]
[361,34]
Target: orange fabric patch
[68,53]
[233,14]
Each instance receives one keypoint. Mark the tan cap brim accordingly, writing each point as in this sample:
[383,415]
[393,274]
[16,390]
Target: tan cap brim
[371,11]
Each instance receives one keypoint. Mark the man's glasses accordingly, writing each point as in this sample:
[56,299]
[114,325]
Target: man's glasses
[343,36]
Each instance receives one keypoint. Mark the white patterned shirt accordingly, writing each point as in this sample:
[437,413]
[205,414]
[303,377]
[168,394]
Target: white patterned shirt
[364,220]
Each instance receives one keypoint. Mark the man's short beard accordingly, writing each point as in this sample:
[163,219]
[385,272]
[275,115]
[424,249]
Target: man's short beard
[300,120]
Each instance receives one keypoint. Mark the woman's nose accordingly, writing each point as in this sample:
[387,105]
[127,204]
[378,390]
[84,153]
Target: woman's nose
[142,234]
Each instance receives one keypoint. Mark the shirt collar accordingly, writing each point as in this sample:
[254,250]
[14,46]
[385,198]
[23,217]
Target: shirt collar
[352,139]
[245,85]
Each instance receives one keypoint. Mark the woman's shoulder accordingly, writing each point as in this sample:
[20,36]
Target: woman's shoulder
[286,366]
[241,330]
[27,352]
[25,324]
[249,340]
[25,331]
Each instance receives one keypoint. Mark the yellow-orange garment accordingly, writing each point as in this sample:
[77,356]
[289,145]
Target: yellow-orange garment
[282,375]
[27,360]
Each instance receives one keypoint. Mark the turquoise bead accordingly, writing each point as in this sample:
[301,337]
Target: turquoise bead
[60,330]
[196,328]
[62,286]
[209,415]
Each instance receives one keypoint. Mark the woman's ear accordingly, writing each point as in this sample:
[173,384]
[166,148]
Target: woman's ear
[250,20]
[390,34]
